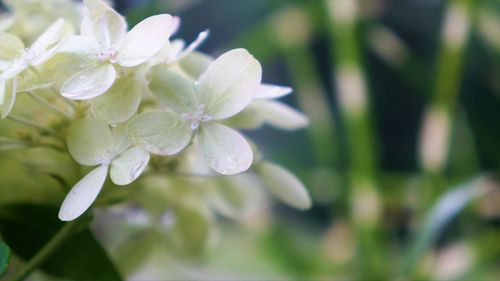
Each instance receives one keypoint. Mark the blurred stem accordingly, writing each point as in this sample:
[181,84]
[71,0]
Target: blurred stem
[49,105]
[436,127]
[64,233]
[352,95]
[29,123]
[290,29]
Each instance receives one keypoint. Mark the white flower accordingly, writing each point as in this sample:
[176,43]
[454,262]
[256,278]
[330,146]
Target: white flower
[223,90]
[15,58]
[91,143]
[104,40]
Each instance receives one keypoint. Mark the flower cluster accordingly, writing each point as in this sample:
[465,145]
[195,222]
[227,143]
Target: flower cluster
[131,95]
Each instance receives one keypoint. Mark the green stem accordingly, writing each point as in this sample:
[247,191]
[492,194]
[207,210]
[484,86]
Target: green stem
[353,98]
[64,233]
[34,125]
[49,105]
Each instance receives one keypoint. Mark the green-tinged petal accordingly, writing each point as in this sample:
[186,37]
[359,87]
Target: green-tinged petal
[284,185]
[145,40]
[195,64]
[47,39]
[224,150]
[180,54]
[281,115]
[172,90]
[119,103]
[108,29]
[121,142]
[160,132]
[83,194]
[128,166]
[89,83]
[9,97]
[229,83]
[81,45]
[10,47]
[268,91]
[248,119]
[90,142]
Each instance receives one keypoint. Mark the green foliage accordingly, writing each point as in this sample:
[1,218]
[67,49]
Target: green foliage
[27,228]
[4,257]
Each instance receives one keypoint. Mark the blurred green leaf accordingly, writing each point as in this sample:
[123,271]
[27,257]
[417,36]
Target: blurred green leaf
[4,257]
[27,228]
[444,210]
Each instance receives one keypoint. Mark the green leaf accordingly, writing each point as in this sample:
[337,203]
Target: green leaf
[119,103]
[443,211]
[284,185]
[27,228]
[4,257]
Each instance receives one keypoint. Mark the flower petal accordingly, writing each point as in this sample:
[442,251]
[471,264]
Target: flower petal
[225,150]
[268,91]
[193,46]
[89,83]
[160,132]
[195,64]
[229,83]
[11,72]
[145,40]
[96,6]
[119,104]
[284,185]
[108,28]
[281,115]
[80,45]
[172,90]
[11,46]
[83,194]
[128,166]
[47,39]
[9,98]
[90,142]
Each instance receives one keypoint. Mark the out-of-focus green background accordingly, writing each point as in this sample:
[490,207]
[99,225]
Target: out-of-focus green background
[409,68]
[382,87]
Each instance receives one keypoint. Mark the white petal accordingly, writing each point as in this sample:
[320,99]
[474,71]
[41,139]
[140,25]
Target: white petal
[160,132]
[11,46]
[83,194]
[229,83]
[284,185]
[79,45]
[281,115]
[224,150]
[90,142]
[9,97]
[89,83]
[121,142]
[48,38]
[118,104]
[108,29]
[172,90]
[94,6]
[128,166]
[268,91]
[193,46]
[195,64]
[12,72]
[145,40]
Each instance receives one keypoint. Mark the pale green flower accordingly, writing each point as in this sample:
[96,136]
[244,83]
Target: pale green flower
[93,143]
[15,58]
[104,40]
[197,108]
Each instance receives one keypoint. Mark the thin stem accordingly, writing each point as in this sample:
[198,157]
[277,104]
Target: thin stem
[48,105]
[64,233]
[34,125]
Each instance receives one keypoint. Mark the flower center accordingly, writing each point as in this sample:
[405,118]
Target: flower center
[197,117]
[25,58]
[107,54]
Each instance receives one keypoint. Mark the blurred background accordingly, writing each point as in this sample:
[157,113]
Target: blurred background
[401,155]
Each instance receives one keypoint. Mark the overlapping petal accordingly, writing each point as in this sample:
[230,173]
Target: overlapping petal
[128,166]
[89,83]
